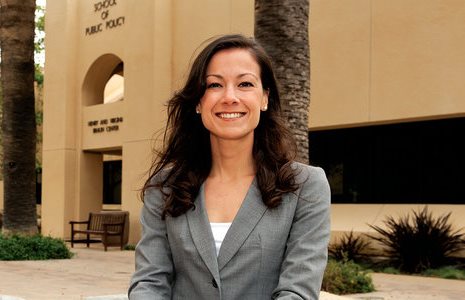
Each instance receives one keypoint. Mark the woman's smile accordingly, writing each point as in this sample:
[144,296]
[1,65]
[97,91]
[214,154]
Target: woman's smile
[230,115]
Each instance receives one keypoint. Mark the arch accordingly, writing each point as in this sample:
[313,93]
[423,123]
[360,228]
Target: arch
[114,89]
[101,70]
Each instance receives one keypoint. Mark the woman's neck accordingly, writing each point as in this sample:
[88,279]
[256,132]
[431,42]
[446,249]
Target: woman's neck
[232,159]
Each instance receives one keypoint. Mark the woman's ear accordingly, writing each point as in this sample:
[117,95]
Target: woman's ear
[264,103]
[197,108]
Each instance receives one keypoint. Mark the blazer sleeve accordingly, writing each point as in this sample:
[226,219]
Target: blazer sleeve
[153,276]
[306,252]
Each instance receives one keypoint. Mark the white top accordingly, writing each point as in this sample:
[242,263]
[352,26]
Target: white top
[219,231]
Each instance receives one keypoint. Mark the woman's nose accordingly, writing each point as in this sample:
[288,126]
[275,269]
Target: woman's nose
[230,95]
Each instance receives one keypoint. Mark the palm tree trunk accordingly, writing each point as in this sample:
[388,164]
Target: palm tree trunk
[18,124]
[281,26]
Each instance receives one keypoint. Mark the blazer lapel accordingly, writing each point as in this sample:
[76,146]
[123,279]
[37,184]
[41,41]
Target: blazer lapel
[251,211]
[201,234]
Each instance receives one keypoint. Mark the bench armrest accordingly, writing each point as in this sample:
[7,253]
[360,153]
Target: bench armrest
[72,223]
[78,222]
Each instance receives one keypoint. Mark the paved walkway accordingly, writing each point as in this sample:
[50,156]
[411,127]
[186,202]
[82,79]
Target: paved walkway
[93,273]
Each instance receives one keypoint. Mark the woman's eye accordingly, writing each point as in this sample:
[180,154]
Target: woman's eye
[213,85]
[246,84]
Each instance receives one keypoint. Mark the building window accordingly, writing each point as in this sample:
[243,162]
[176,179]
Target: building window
[417,162]
[38,186]
[112,182]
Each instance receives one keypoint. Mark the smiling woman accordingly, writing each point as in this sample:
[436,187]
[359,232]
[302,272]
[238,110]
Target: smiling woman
[227,213]
[234,97]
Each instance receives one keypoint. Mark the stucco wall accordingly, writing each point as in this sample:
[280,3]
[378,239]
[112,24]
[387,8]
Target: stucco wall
[372,61]
[155,41]
[386,61]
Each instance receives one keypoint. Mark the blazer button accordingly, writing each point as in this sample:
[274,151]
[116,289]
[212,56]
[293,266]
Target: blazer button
[215,285]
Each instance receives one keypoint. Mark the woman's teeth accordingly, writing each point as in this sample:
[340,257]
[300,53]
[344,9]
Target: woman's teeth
[230,115]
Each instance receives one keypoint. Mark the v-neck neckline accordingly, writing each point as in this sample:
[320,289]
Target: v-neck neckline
[247,217]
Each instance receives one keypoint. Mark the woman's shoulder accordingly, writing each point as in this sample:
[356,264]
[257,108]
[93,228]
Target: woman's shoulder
[311,179]
[157,178]
[305,172]
[154,187]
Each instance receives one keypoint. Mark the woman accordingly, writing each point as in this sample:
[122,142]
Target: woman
[227,214]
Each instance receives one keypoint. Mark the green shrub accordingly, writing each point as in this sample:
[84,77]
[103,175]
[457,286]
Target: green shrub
[346,277]
[36,247]
[446,273]
[420,244]
[130,247]
[349,247]
[390,270]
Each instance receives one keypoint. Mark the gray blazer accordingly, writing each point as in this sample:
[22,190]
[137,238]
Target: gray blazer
[277,253]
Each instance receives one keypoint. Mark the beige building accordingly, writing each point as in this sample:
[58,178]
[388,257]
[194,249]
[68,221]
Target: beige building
[395,64]
[112,64]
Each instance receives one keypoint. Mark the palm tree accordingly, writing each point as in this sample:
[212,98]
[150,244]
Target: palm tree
[18,124]
[281,26]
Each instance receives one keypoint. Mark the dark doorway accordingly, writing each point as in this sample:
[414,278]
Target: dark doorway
[112,174]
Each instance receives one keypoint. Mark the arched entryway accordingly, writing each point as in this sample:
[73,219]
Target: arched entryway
[100,160]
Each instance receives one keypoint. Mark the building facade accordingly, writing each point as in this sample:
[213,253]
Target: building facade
[111,65]
[387,87]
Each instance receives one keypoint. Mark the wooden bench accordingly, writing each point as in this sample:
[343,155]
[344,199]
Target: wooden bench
[110,226]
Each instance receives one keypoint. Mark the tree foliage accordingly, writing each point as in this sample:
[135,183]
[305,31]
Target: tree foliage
[39,43]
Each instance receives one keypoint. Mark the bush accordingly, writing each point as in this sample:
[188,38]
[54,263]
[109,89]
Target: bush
[449,272]
[346,277]
[349,247]
[390,270]
[130,247]
[36,247]
[420,244]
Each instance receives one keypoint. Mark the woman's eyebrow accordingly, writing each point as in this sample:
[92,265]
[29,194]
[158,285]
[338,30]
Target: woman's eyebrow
[214,75]
[238,76]
[247,73]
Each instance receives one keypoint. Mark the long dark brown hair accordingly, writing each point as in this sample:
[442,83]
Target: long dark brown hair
[186,159]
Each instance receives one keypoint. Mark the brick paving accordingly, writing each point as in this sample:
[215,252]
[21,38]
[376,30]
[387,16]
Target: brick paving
[97,275]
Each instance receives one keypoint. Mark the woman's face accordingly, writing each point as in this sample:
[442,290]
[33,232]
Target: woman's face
[234,95]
